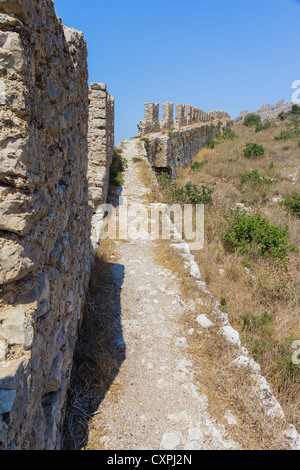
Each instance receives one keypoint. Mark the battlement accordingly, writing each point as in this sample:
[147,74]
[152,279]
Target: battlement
[185,115]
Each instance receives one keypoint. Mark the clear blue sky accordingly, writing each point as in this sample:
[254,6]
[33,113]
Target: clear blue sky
[215,54]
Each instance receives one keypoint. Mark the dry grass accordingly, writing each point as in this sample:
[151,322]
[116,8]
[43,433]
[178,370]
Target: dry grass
[248,284]
[226,386]
[147,178]
[97,359]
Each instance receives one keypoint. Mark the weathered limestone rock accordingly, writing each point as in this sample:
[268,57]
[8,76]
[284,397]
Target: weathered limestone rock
[45,220]
[267,111]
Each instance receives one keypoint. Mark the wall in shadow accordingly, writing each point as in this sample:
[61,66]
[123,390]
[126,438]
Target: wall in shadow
[99,353]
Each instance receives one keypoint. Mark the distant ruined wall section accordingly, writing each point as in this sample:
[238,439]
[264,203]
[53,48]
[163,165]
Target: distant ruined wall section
[267,111]
[220,115]
[191,130]
[185,116]
[45,250]
[167,152]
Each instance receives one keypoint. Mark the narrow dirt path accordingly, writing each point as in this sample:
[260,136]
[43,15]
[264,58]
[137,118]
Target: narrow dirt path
[154,402]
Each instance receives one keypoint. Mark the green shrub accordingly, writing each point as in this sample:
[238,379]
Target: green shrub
[198,165]
[252,119]
[282,116]
[228,134]
[292,203]
[255,178]
[192,194]
[258,323]
[263,126]
[254,150]
[118,166]
[255,233]
[295,110]
[287,134]
[284,360]
[211,144]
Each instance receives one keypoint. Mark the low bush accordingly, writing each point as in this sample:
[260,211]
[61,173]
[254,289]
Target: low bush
[253,150]
[256,179]
[252,120]
[229,134]
[198,165]
[253,233]
[192,194]
[263,126]
[118,166]
[288,134]
[211,144]
[292,203]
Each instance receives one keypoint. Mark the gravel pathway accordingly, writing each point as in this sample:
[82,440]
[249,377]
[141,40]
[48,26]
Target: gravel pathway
[157,405]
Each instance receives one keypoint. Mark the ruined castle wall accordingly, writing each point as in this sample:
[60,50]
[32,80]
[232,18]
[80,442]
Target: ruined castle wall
[166,153]
[151,121]
[267,111]
[45,221]
[167,115]
[219,115]
[100,142]
[185,116]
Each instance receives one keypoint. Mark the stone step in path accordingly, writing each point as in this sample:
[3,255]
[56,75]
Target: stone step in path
[156,403]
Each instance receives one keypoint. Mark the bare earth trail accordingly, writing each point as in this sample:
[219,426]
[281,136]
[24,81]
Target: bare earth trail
[155,403]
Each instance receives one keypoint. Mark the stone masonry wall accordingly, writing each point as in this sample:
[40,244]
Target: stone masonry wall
[45,250]
[167,152]
[185,116]
[100,141]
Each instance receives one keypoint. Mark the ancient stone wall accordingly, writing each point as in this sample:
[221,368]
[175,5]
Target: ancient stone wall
[168,115]
[151,121]
[45,249]
[185,116]
[100,141]
[168,152]
[219,115]
[267,111]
